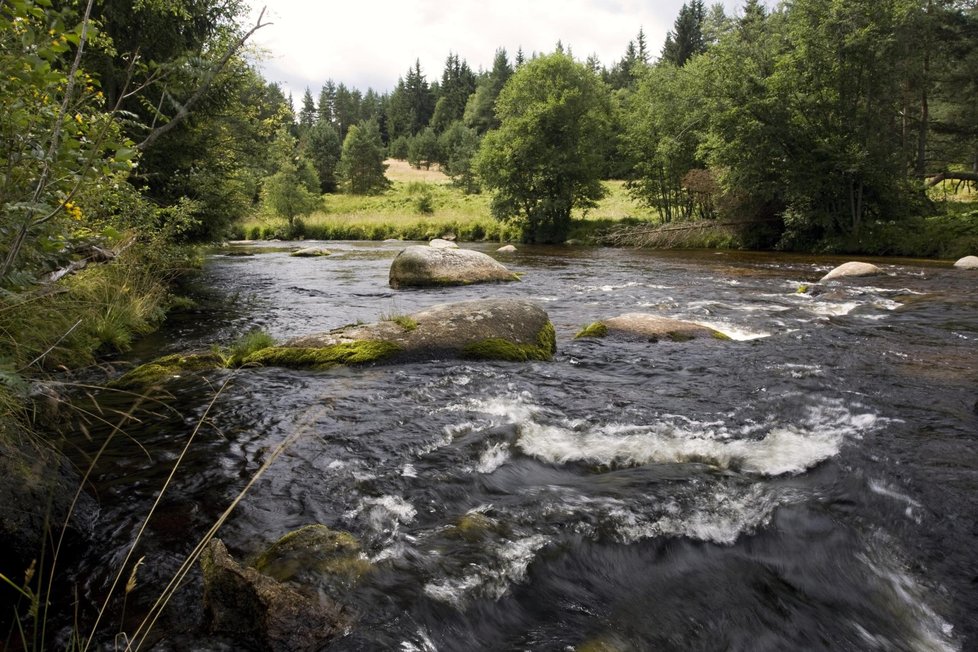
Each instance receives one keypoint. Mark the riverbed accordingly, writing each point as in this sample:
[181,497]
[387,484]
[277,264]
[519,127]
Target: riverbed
[808,484]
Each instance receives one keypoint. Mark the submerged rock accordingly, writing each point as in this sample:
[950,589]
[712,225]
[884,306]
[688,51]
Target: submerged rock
[310,252]
[646,326]
[852,269]
[249,606]
[316,556]
[421,266]
[489,329]
[442,243]
[968,262]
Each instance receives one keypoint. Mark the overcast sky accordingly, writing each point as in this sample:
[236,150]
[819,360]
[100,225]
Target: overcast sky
[371,43]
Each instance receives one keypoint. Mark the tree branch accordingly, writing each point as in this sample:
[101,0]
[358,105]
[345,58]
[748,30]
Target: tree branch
[183,110]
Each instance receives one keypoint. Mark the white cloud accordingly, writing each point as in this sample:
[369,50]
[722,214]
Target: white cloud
[371,43]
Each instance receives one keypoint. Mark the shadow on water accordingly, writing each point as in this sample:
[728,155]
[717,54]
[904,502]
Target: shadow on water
[807,485]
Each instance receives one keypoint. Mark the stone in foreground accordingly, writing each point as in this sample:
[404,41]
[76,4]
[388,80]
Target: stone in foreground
[646,326]
[968,262]
[484,329]
[852,269]
[422,266]
[252,607]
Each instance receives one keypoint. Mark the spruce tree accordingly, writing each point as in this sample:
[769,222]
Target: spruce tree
[686,38]
[362,164]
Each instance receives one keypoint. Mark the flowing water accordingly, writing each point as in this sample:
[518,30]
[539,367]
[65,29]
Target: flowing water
[810,484]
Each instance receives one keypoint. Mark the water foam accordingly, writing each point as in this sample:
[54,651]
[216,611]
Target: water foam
[509,566]
[783,449]
[493,457]
[720,516]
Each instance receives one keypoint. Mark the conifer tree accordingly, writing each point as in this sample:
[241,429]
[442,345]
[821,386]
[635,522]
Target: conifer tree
[362,164]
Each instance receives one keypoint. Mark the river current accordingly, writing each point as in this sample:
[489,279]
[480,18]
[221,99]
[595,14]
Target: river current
[810,484]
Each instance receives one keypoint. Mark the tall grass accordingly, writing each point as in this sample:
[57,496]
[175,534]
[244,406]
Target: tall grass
[422,210]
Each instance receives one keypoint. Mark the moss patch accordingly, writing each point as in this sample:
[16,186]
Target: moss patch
[314,550]
[346,353]
[717,335]
[597,329]
[679,336]
[167,367]
[497,348]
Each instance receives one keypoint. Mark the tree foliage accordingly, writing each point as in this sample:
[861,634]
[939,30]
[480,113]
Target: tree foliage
[362,164]
[293,190]
[544,159]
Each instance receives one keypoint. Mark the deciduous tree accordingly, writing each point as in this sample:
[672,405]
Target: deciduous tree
[545,158]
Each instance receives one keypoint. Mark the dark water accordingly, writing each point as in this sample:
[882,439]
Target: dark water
[810,485]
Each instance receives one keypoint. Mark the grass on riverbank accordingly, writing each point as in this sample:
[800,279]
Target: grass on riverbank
[421,205]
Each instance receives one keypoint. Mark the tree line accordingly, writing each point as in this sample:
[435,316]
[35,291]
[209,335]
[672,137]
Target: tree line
[817,117]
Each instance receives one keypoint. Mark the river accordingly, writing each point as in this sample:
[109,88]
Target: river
[810,484]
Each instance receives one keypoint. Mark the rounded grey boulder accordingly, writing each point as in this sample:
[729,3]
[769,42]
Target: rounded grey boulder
[484,329]
[310,252]
[646,326]
[852,269]
[507,249]
[421,266]
[968,262]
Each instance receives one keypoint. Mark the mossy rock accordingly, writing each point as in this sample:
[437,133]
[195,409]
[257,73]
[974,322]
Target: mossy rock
[168,367]
[596,329]
[485,329]
[497,348]
[315,556]
[259,611]
[475,527]
[323,357]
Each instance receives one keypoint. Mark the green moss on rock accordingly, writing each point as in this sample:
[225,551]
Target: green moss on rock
[497,348]
[597,329]
[314,550]
[717,335]
[345,353]
[167,367]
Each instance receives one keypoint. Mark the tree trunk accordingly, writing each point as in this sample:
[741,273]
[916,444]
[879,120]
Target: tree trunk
[933,180]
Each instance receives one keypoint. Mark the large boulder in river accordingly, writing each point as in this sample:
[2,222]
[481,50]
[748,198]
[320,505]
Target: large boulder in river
[249,606]
[422,266]
[852,269]
[968,262]
[485,329]
[645,326]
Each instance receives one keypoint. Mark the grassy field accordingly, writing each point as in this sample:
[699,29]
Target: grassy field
[423,204]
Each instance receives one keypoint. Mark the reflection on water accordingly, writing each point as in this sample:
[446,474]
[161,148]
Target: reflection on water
[807,485]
